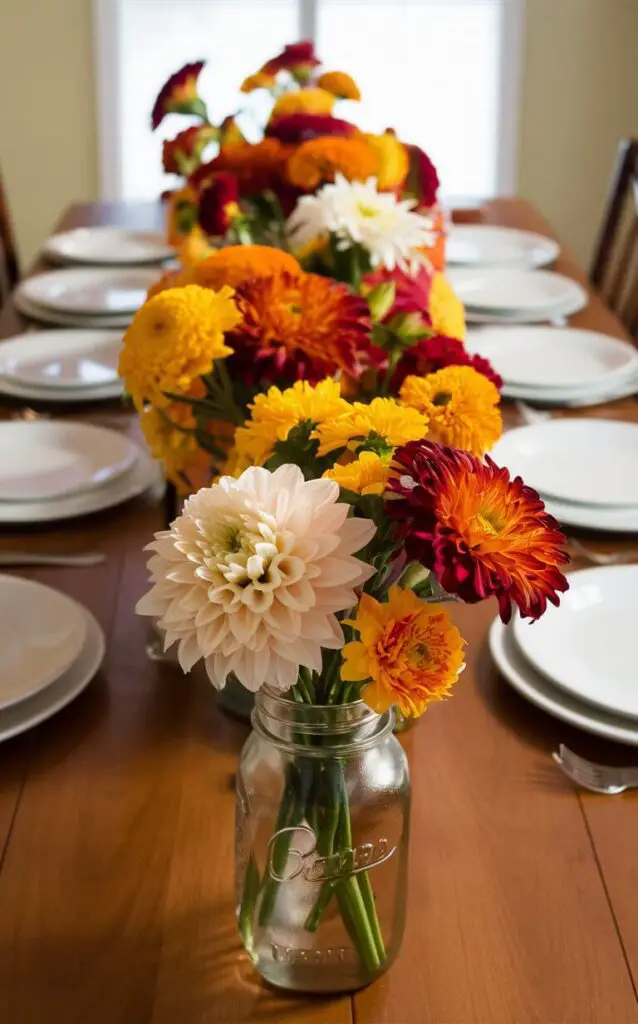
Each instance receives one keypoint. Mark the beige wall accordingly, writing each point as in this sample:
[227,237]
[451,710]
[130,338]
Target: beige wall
[579,96]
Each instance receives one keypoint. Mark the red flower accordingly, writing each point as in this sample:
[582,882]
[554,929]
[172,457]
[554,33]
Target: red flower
[480,533]
[431,354]
[298,58]
[181,154]
[257,167]
[423,180]
[218,203]
[179,95]
[301,127]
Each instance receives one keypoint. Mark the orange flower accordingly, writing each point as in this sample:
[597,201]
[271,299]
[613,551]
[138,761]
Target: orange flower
[303,101]
[340,85]
[193,248]
[392,157]
[461,405]
[410,650]
[318,160]
[260,80]
[236,264]
[179,95]
[257,167]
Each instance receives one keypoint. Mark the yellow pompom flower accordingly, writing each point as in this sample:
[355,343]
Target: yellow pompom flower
[410,651]
[186,465]
[446,309]
[461,405]
[393,161]
[340,84]
[384,424]
[303,101]
[368,474]
[260,80]
[175,337]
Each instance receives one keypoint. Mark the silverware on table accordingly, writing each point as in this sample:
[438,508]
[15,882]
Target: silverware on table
[599,778]
[85,559]
[602,557]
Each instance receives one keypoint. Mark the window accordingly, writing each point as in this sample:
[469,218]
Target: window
[443,73]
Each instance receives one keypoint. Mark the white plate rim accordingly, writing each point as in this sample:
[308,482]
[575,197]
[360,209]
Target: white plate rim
[539,317]
[61,395]
[93,274]
[67,687]
[623,389]
[57,343]
[572,290]
[594,517]
[55,246]
[538,691]
[548,248]
[49,316]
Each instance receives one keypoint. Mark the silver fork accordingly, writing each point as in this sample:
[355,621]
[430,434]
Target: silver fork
[599,778]
[602,557]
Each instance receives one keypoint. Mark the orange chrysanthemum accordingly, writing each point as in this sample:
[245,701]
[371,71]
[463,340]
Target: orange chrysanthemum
[461,405]
[318,160]
[392,158]
[340,84]
[479,532]
[303,101]
[257,167]
[410,650]
[237,264]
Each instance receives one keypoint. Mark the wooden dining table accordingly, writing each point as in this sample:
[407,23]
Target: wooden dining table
[117,817]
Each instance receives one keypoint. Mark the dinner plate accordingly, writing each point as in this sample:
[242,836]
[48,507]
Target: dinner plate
[552,359]
[573,398]
[108,246]
[66,359]
[42,705]
[41,634]
[587,645]
[90,291]
[495,291]
[144,474]
[52,316]
[582,461]
[594,517]
[556,702]
[487,245]
[68,396]
[44,460]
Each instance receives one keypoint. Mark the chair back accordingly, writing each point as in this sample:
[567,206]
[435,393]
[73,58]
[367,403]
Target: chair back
[9,265]
[614,269]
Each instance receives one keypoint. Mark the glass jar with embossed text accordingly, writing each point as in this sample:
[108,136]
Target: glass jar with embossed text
[323,807]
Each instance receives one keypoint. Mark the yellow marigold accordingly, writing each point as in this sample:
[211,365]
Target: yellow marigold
[461,405]
[446,309]
[340,84]
[193,248]
[238,263]
[318,160]
[186,465]
[303,101]
[392,158]
[368,474]
[260,80]
[174,338]
[410,650]
[274,414]
[382,425]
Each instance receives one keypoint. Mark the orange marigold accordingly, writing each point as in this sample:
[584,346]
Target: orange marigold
[303,101]
[318,160]
[340,84]
[259,80]
[236,264]
[257,167]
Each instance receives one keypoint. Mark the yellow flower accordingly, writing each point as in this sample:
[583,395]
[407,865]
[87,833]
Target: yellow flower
[260,80]
[446,309]
[340,85]
[175,337]
[193,248]
[186,465]
[461,405]
[393,161]
[303,101]
[410,650]
[368,474]
[384,424]
[274,414]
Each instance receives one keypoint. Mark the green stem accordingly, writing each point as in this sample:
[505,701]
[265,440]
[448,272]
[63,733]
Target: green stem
[249,896]
[291,813]
[354,912]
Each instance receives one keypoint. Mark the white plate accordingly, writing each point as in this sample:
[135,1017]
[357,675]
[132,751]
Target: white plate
[108,246]
[41,634]
[585,461]
[51,316]
[594,517]
[573,399]
[484,245]
[554,701]
[145,474]
[92,292]
[502,292]
[46,460]
[43,705]
[554,359]
[587,645]
[68,396]
[62,359]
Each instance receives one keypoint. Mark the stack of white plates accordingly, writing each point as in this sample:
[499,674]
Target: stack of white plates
[484,245]
[515,296]
[52,469]
[87,297]
[51,649]
[63,365]
[108,246]
[578,662]
[586,470]
[558,366]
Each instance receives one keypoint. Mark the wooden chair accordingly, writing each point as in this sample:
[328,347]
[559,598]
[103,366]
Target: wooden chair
[614,270]
[9,265]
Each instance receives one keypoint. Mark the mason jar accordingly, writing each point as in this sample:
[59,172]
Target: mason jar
[322,821]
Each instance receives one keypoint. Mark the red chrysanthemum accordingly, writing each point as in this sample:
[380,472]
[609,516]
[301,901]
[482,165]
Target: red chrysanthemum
[301,127]
[301,327]
[423,180]
[481,533]
[431,354]
[218,203]
[179,95]
[298,58]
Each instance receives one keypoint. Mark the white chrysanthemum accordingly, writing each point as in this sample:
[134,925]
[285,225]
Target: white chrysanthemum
[358,214]
[251,574]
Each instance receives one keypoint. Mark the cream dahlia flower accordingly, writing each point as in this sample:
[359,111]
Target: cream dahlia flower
[250,575]
[358,214]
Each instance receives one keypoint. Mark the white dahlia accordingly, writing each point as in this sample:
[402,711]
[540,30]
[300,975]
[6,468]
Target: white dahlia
[250,575]
[358,214]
